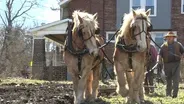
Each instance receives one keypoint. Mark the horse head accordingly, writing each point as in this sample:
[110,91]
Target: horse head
[85,28]
[139,28]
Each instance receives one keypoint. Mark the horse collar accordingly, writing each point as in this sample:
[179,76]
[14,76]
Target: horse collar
[126,48]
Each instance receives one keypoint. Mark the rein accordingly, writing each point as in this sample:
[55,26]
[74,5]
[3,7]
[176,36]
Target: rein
[109,39]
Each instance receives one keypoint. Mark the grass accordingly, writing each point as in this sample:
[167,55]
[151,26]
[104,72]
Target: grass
[7,81]
[20,80]
[158,97]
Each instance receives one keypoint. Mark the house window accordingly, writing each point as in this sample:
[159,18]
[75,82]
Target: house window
[150,4]
[144,4]
[182,6]
[109,35]
[136,4]
[64,12]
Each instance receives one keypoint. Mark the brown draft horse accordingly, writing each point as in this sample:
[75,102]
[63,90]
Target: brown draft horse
[130,55]
[82,56]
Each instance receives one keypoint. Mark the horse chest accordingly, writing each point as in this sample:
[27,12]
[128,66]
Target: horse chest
[128,59]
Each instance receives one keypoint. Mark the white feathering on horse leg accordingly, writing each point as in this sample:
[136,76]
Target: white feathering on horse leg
[80,91]
[123,91]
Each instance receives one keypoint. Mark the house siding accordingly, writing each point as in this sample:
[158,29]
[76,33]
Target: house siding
[106,10]
[177,19]
[162,20]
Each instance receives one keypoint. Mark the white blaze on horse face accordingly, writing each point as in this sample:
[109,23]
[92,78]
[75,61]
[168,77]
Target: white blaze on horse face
[141,38]
[93,49]
[91,42]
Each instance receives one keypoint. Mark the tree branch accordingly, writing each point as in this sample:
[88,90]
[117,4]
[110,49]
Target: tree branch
[21,25]
[3,20]
[6,15]
[18,14]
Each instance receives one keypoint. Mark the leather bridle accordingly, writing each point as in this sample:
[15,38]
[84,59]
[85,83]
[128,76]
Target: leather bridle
[81,35]
[143,31]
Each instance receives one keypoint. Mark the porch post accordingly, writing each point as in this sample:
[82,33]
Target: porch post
[39,61]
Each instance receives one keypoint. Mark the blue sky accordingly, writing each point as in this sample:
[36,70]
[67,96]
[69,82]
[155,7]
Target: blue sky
[43,14]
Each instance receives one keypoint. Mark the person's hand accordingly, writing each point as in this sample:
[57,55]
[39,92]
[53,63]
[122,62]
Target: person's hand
[156,68]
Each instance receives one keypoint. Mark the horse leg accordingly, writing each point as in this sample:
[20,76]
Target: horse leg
[96,77]
[82,85]
[75,86]
[75,80]
[141,93]
[137,87]
[122,87]
[88,92]
[130,76]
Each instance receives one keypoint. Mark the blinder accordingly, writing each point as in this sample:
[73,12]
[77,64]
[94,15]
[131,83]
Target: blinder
[80,33]
[150,27]
[97,31]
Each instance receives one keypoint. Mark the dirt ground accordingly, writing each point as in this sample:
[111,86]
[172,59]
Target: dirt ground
[48,93]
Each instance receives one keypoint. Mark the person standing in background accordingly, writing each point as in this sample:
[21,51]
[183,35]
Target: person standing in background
[170,54]
[148,82]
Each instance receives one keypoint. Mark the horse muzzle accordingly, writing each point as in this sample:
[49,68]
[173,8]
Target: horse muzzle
[94,52]
[140,49]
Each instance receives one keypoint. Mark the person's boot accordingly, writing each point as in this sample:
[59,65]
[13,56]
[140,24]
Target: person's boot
[146,90]
[174,96]
[151,90]
[168,94]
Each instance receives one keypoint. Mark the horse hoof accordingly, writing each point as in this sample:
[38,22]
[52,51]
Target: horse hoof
[123,93]
[142,102]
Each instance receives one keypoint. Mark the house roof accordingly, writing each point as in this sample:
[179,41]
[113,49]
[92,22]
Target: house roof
[49,25]
[63,2]
[55,31]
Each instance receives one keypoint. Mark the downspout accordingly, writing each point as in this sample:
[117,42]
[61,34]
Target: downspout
[103,32]
[90,6]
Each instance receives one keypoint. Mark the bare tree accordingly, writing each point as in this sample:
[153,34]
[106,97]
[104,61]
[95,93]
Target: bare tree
[11,16]
[56,8]
[15,44]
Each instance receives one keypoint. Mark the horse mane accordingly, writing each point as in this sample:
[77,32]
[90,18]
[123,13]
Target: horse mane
[87,19]
[127,19]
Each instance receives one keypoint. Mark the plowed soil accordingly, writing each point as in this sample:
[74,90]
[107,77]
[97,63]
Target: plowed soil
[47,93]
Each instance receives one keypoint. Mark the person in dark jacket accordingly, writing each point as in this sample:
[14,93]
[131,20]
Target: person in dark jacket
[148,82]
[170,54]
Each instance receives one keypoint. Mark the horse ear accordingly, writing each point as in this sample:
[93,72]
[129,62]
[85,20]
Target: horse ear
[148,12]
[80,19]
[134,13]
[95,16]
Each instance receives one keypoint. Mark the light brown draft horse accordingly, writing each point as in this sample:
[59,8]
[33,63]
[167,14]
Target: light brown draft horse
[132,44]
[83,57]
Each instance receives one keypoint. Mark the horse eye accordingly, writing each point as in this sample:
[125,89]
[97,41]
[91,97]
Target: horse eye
[134,26]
